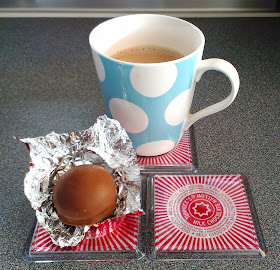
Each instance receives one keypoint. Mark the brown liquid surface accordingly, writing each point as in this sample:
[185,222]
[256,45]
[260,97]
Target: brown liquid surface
[146,54]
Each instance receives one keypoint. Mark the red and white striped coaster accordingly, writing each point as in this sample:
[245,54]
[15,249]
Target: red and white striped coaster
[123,237]
[198,213]
[180,155]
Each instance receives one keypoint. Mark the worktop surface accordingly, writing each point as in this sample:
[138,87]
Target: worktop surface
[48,83]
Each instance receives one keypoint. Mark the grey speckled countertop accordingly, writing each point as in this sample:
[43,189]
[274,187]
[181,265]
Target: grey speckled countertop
[48,82]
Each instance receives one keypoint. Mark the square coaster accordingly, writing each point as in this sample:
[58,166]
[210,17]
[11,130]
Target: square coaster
[123,237]
[202,213]
[116,241]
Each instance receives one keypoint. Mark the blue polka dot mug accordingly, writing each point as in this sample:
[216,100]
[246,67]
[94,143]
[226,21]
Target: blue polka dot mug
[152,101]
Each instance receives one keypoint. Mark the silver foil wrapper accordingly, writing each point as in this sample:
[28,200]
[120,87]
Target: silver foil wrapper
[106,144]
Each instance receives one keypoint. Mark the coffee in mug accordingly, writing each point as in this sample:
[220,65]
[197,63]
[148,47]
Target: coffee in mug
[145,54]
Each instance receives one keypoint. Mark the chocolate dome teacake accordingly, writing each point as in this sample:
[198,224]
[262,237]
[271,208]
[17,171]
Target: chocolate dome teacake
[85,195]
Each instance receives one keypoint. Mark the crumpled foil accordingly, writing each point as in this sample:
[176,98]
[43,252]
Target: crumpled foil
[105,144]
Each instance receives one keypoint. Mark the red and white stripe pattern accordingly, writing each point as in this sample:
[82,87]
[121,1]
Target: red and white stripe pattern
[181,154]
[124,237]
[239,234]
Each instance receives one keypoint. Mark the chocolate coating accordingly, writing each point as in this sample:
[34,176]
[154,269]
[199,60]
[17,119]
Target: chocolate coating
[85,195]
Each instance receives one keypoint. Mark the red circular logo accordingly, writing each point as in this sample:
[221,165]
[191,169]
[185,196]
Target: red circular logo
[201,209]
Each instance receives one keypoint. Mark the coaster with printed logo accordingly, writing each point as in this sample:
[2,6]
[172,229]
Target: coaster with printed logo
[202,213]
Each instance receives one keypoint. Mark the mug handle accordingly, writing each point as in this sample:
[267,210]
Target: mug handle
[229,70]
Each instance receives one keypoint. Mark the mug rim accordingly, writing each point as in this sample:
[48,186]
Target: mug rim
[201,45]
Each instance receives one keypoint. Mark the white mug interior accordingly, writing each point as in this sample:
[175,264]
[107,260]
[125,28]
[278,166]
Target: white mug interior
[146,29]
